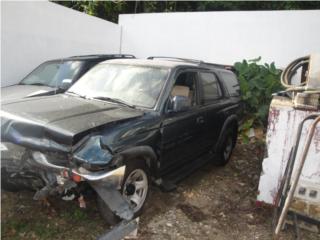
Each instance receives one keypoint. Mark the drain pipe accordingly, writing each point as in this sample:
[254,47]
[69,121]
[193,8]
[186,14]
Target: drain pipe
[296,178]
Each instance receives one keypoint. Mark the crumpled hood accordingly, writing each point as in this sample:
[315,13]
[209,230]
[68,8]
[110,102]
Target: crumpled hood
[57,122]
[22,91]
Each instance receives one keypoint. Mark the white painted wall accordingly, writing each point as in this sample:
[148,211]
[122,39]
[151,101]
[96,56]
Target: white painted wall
[223,37]
[33,32]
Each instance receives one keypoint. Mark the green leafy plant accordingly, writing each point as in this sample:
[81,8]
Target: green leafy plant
[257,83]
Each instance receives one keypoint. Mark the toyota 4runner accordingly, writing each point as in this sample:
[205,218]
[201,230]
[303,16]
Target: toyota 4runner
[124,124]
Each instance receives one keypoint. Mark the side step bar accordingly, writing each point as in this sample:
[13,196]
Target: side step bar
[171,179]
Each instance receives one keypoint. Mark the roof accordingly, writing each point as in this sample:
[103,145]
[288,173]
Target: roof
[173,62]
[152,63]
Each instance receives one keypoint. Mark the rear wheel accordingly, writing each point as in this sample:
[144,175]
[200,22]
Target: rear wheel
[225,150]
[135,190]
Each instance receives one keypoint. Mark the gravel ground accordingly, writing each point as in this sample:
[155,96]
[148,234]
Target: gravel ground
[213,203]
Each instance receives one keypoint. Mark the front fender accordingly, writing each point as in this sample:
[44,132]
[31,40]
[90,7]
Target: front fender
[138,152]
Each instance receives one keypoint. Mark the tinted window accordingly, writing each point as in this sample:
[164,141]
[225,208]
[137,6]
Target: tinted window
[231,83]
[210,86]
[52,73]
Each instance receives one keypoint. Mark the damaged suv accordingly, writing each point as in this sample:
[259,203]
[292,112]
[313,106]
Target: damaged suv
[124,124]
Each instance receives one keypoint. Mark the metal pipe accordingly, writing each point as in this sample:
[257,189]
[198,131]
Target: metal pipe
[283,189]
[295,147]
[296,177]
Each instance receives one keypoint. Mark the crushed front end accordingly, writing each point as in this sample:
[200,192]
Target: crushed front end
[52,168]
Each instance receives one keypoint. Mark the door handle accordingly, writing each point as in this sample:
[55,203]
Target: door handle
[200,120]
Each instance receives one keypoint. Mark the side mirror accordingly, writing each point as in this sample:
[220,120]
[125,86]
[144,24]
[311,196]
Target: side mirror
[65,84]
[180,103]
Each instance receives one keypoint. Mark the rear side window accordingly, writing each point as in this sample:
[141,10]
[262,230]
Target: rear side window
[231,83]
[210,87]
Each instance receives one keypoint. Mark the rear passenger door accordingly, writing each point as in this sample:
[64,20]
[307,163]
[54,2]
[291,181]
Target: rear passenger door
[213,102]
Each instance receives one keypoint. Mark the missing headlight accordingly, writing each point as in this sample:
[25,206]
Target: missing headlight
[92,154]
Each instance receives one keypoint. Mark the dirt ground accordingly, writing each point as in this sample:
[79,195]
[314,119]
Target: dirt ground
[213,203]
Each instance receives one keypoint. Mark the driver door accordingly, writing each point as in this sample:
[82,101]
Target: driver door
[182,132]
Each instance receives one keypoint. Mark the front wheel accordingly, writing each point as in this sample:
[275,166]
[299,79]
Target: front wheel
[135,189]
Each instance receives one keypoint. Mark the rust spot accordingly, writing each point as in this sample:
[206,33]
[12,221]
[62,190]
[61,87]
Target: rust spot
[273,118]
[299,206]
[316,139]
[314,211]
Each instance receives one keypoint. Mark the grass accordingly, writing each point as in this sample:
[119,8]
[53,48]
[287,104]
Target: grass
[75,214]
[24,229]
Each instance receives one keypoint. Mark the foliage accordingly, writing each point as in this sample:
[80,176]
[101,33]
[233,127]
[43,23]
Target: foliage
[257,83]
[24,229]
[110,10]
[244,130]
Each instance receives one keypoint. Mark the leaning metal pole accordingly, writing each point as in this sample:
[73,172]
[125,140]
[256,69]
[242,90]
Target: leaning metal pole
[296,177]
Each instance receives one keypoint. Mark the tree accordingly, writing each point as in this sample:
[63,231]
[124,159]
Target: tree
[110,10]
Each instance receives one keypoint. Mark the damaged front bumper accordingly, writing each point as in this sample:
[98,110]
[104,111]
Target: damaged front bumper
[54,179]
[113,177]
[18,161]
[106,184]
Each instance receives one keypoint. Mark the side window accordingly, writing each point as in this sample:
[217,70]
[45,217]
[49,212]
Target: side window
[185,85]
[231,83]
[210,87]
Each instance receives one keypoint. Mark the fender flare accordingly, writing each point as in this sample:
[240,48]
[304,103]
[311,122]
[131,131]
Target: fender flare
[144,152]
[231,120]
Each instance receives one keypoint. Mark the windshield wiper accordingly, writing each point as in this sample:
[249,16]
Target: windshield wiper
[82,96]
[114,100]
[35,84]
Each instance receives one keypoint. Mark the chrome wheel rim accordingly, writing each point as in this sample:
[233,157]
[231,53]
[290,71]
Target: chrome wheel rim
[135,189]
[228,148]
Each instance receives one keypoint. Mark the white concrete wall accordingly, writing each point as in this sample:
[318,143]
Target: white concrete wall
[32,32]
[223,37]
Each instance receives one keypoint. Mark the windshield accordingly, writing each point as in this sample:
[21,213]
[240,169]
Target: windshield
[134,85]
[52,73]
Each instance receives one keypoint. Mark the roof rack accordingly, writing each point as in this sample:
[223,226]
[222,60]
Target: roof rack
[176,59]
[199,62]
[107,55]
[216,65]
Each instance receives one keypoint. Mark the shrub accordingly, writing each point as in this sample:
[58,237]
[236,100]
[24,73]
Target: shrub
[257,83]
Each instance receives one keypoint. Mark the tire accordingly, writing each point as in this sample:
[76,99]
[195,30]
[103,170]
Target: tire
[136,172]
[227,145]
